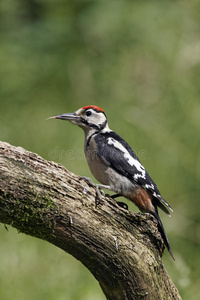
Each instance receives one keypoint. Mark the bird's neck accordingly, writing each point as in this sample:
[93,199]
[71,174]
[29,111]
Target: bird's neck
[90,132]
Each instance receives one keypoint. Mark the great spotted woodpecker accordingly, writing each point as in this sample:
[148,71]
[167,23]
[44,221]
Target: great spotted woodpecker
[115,165]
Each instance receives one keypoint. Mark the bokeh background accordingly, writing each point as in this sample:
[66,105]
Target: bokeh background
[140,62]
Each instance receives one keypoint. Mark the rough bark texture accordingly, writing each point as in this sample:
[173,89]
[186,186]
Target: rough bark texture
[122,250]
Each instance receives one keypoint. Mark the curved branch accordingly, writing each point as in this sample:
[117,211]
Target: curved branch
[122,250]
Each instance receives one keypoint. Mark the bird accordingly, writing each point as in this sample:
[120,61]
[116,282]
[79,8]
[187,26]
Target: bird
[116,166]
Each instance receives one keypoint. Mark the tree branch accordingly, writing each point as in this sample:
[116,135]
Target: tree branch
[122,250]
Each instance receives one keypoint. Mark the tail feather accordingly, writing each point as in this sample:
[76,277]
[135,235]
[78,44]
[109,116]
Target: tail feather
[163,204]
[162,231]
[164,208]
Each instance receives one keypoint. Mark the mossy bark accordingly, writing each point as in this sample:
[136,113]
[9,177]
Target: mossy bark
[122,250]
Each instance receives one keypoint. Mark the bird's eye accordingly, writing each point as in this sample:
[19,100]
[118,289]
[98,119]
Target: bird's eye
[88,113]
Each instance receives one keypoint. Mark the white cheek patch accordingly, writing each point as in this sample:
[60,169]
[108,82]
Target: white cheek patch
[97,118]
[130,160]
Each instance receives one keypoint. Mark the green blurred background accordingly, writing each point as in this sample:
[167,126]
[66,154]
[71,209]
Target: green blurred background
[140,62]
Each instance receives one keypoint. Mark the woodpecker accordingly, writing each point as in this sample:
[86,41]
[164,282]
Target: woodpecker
[115,165]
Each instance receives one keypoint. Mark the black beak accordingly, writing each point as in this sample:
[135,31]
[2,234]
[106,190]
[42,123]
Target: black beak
[69,117]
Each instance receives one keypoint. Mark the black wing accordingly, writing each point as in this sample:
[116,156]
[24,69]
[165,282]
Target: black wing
[114,151]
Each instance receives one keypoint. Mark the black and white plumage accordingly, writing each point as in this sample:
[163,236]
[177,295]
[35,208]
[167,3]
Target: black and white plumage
[115,165]
[119,155]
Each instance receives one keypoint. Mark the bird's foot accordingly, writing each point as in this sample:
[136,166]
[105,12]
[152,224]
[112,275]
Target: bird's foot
[115,196]
[121,204]
[97,187]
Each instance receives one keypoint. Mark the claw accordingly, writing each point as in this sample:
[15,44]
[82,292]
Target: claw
[90,182]
[121,204]
[87,179]
[97,187]
[98,196]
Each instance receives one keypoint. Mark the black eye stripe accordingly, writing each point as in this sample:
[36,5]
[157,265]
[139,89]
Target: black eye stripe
[97,127]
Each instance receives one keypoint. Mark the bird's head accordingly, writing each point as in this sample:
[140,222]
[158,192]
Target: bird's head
[89,117]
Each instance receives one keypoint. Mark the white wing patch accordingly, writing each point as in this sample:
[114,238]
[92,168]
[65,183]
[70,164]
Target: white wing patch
[149,186]
[130,160]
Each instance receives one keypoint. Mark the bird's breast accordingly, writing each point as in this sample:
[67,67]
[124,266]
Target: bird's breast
[97,167]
